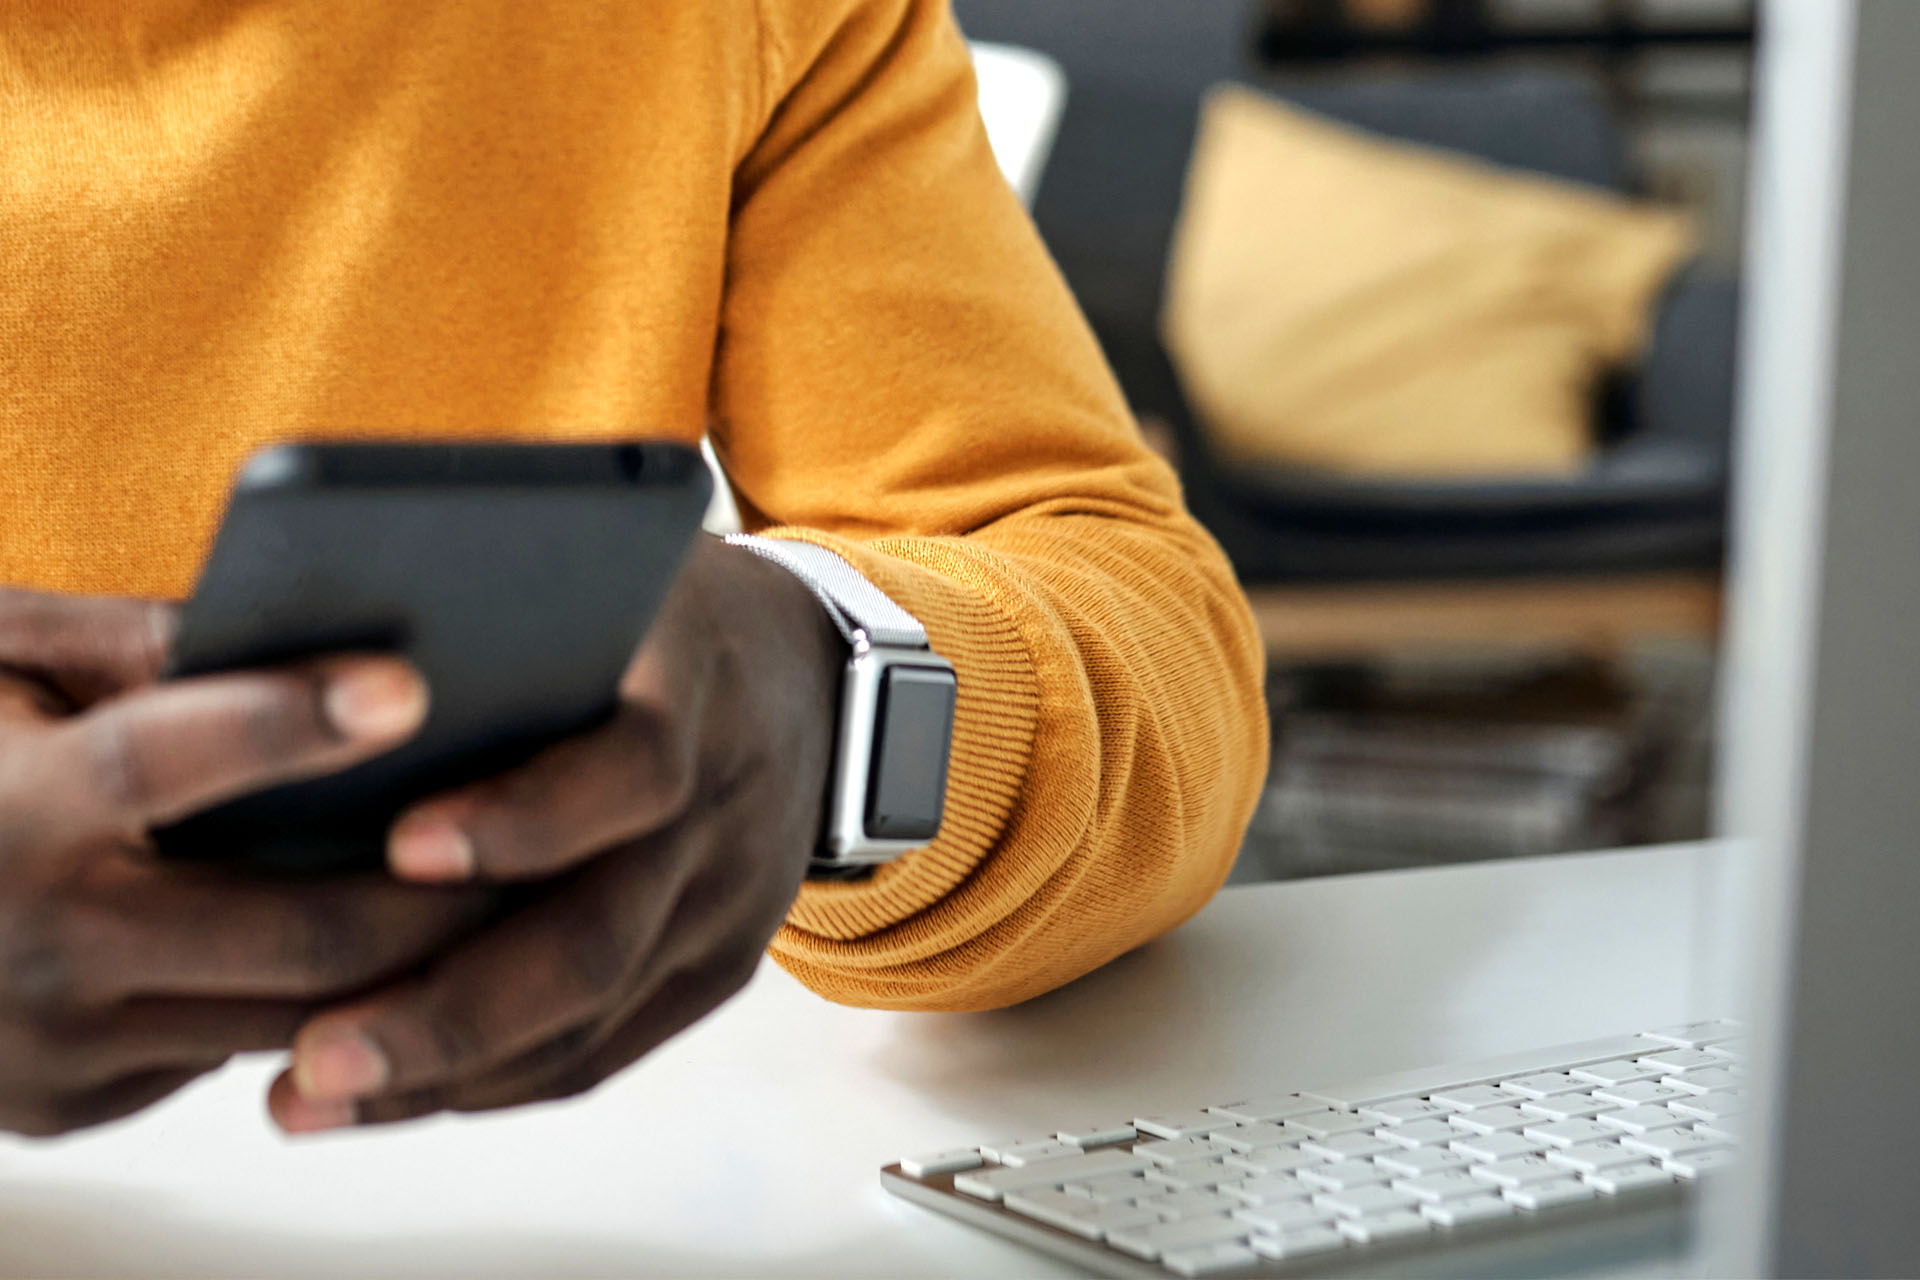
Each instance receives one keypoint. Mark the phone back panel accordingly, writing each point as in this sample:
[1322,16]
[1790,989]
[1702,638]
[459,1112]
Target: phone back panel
[520,579]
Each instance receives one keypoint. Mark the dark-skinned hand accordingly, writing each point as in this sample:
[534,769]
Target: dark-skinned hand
[657,855]
[122,977]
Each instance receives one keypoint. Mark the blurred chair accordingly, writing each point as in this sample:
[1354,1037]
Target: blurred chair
[1022,93]
[1342,568]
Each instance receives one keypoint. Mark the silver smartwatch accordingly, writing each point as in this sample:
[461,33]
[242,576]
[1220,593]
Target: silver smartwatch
[889,782]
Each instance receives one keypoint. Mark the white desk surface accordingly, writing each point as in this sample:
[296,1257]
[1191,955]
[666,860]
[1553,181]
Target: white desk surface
[751,1145]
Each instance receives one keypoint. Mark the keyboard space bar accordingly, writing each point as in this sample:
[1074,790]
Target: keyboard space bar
[1405,1084]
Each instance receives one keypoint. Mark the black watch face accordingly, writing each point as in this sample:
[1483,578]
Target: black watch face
[913,730]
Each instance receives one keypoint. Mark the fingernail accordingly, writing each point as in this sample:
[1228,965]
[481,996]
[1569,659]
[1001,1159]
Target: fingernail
[430,847]
[298,1115]
[377,700]
[337,1064]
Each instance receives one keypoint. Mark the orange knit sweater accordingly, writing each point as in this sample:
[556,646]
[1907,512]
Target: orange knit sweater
[226,222]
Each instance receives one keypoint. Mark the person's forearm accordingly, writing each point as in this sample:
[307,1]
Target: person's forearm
[905,376]
[1113,744]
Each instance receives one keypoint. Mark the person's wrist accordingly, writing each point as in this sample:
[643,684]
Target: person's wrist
[789,606]
[788,655]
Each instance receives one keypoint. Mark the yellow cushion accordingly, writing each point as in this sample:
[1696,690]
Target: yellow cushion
[1336,300]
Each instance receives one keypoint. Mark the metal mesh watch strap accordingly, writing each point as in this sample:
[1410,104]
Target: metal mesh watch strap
[855,605]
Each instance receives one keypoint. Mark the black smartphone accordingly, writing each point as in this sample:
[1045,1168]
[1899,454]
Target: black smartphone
[519,578]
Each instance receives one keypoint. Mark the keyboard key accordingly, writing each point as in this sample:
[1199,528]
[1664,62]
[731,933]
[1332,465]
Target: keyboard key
[1643,1119]
[1326,1123]
[1544,1195]
[1705,1080]
[1448,1184]
[1346,1146]
[1277,1107]
[1247,1137]
[1725,1131]
[1299,1242]
[1174,1125]
[1082,1217]
[1669,1144]
[1592,1157]
[1543,1084]
[1698,1035]
[991,1184]
[1519,1172]
[993,1150]
[1097,1135]
[1619,1071]
[1569,1133]
[1384,1226]
[1415,1161]
[1193,1173]
[1191,1202]
[1678,1060]
[958,1160]
[1471,1097]
[1721,1104]
[1700,1163]
[1639,1093]
[1453,1213]
[1628,1177]
[1275,1159]
[1345,1175]
[1208,1259]
[1287,1215]
[1177,1151]
[1404,1111]
[1271,1189]
[1150,1242]
[1034,1152]
[1496,1146]
[1419,1133]
[1361,1202]
[1120,1187]
[1490,1120]
[1567,1106]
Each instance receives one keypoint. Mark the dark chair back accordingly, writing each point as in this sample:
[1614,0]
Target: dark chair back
[1107,205]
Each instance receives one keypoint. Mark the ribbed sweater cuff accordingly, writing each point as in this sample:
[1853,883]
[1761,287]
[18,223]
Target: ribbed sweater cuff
[949,587]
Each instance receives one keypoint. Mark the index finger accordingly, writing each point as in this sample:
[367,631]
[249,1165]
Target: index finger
[159,754]
[86,646]
[619,782]
[145,929]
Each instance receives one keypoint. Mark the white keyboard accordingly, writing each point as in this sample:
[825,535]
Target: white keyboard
[1295,1181]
